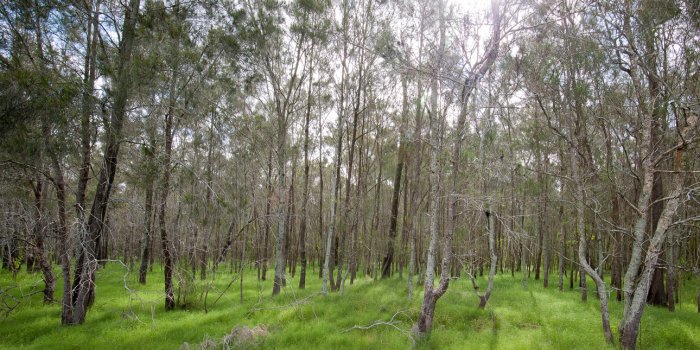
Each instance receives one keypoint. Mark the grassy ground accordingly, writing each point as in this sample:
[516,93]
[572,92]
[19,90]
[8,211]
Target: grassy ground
[516,318]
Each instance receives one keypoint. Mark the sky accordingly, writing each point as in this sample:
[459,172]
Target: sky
[473,5]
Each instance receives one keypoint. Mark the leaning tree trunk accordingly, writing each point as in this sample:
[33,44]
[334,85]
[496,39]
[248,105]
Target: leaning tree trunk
[85,270]
[632,317]
[580,226]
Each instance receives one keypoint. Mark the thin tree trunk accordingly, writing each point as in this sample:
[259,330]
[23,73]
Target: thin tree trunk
[148,210]
[540,218]
[389,257]
[280,256]
[562,245]
[548,241]
[165,182]
[321,227]
[338,157]
[580,224]
[412,258]
[266,242]
[92,35]
[425,318]
[305,195]
[66,304]
[162,206]
[424,323]
[671,271]
[490,217]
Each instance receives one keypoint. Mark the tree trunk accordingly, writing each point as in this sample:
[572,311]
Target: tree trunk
[39,233]
[85,270]
[490,217]
[629,326]
[266,242]
[321,227]
[671,271]
[425,318]
[424,323]
[562,243]
[66,303]
[545,228]
[338,159]
[389,257]
[657,293]
[305,194]
[580,225]
[280,256]
[148,209]
[162,206]
[412,257]
[92,35]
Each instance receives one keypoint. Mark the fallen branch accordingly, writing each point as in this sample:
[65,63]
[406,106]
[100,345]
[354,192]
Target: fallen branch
[393,322]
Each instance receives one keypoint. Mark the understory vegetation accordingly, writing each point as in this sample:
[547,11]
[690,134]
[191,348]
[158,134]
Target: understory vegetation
[516,317]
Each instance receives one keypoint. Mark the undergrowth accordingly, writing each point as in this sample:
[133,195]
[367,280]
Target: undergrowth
[369,315]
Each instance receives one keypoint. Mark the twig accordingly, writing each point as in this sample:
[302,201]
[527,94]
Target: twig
[393,322]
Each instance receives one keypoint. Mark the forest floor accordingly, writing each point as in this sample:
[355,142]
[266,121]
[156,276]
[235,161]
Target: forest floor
[127,315]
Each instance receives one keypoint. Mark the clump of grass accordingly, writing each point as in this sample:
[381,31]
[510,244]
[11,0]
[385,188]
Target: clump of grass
[133,316]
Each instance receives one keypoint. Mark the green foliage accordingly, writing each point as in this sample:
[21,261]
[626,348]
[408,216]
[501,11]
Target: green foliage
[29,98]
[657,12]
[515,318]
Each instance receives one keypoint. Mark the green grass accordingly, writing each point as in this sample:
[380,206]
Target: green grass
[515,318]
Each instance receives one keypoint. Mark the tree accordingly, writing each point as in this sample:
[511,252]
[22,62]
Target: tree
[431,295]
[84,283]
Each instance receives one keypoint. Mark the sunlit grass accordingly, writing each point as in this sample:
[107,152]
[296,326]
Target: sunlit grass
[516,318]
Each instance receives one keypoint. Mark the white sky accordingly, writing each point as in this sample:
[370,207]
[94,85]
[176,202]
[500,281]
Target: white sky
[473,5]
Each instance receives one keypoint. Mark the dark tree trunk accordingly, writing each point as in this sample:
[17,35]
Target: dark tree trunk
[389,257]
[657,292]
[84,284]
[164,189]
[66,303]
[92,36]
[305,194]
[166,171]
[146,252]
[39,232]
